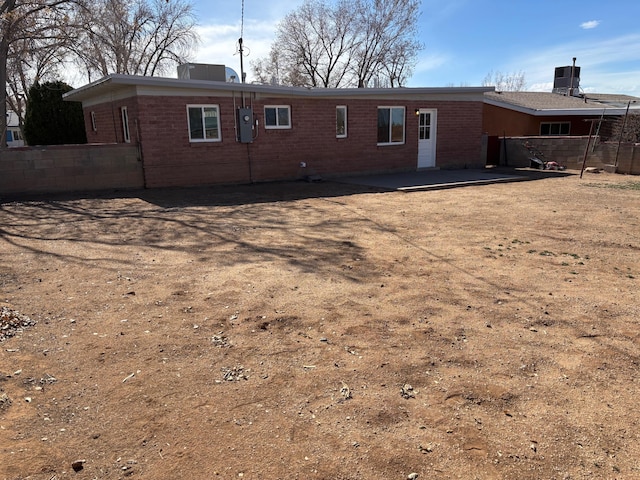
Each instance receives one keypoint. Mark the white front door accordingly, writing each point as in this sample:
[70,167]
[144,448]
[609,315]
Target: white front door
[427,127]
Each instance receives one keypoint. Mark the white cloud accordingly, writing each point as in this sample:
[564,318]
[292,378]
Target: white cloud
[540,87]
[219,44]
[607,66]
[431,61]
[590,24]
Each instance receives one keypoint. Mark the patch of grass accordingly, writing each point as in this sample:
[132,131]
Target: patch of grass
[619,186]
[547,253]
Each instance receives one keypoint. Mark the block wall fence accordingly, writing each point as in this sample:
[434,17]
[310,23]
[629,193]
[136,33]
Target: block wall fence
[570,151]
[27,170]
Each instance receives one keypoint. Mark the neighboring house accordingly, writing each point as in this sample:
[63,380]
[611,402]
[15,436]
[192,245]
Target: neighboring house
[14,134]
[518,114]
[201,132]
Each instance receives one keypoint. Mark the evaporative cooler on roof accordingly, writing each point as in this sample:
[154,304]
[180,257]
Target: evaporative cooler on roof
[565,83]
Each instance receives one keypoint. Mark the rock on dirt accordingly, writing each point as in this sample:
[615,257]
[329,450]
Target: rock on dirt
[13,322]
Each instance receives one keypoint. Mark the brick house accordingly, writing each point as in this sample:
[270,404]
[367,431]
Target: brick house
[519,114]
[199,132]
[548,116]
[14,133]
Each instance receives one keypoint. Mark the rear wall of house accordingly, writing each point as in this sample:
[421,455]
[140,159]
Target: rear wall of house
[160,124]
[500,121]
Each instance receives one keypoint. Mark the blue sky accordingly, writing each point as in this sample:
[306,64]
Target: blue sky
[465,40]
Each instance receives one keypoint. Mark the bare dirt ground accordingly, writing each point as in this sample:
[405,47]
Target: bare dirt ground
[324,331]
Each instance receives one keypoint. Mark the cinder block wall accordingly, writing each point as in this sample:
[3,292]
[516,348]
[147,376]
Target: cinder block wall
[70,168]
[570,151]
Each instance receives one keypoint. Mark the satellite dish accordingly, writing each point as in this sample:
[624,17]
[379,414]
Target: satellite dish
[231,75]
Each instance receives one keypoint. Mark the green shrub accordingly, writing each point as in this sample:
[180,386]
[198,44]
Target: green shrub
[51,121]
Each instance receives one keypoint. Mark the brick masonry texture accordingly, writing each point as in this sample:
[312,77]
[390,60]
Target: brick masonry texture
[160,124]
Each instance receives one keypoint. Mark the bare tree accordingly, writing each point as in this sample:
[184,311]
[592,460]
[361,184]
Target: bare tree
[31,34]
[312,45]
[399,65]
[387,42]
[135,37]
[512,82]
[355,43]
[272,71]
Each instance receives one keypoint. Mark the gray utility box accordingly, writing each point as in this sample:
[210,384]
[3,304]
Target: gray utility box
[245,125]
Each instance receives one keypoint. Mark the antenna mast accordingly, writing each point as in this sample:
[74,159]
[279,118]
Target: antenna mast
[240,48]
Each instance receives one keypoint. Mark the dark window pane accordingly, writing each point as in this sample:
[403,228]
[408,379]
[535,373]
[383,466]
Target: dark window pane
[397,125]
[270,117]
[211,123]
[383,125]
[195,123]
[283,117]
[341,121]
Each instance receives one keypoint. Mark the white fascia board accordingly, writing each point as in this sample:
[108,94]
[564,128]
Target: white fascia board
[173,86]
[561,112]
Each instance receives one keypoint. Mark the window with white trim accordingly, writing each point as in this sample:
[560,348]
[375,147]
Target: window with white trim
[391,125]
[341,121]
[94,125]
[125,125]
[555,128]
[204,123]
[277,116]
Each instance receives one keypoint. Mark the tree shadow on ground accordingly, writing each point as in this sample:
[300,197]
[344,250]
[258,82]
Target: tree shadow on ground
[220,225]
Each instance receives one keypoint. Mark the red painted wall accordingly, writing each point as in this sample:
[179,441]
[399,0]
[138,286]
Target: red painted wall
[500,121]
[160,124]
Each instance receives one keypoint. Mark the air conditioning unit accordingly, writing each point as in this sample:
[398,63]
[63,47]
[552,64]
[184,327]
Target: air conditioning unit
[202,71]
[565,83]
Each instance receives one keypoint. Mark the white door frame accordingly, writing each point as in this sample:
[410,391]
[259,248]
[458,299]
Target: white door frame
[427,146]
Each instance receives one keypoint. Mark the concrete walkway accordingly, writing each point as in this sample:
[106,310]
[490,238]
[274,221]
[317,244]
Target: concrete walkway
[433,179]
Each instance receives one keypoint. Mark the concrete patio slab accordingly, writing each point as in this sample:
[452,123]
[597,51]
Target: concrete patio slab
[432,179]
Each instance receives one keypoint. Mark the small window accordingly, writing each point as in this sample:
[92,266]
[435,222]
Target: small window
[204,124]
[555,128]
[125,125]
[94,126]
[390,125]
[341,121]
[424,129]
[277,116]
[9,136]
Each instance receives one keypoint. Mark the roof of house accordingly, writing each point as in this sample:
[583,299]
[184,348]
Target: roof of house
[115,85]
[547,103]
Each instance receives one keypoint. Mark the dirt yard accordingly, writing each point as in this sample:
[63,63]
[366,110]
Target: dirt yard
[324,331]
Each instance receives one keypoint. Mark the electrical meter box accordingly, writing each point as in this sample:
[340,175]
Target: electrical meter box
[245,125]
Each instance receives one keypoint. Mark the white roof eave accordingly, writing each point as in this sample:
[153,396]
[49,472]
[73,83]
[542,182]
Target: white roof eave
[116,82]
[563,112]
